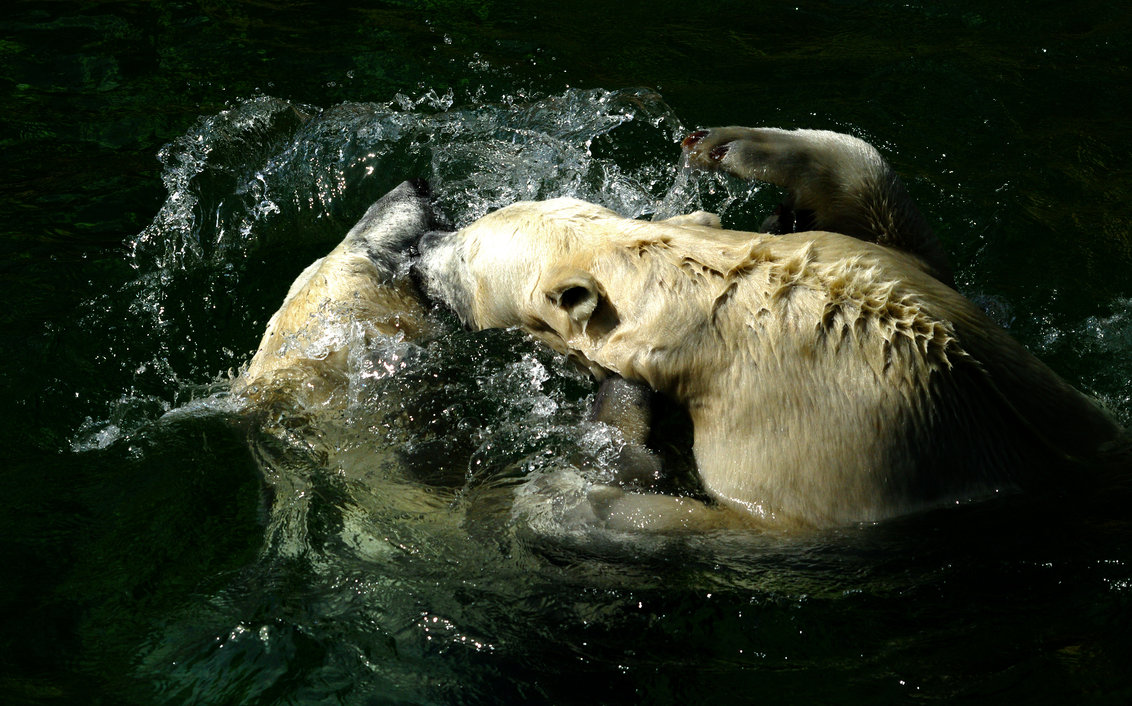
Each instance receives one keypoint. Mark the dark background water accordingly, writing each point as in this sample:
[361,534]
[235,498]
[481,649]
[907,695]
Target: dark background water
[130,559]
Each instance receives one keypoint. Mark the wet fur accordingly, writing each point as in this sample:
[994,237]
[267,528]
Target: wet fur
[830,378]
[359,290]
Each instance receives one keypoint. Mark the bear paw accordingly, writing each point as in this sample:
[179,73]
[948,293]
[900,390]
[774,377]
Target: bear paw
[739,151]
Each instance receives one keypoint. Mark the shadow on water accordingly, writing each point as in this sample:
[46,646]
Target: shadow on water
[170,548]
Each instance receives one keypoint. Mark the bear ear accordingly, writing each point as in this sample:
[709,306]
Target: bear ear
[575,292]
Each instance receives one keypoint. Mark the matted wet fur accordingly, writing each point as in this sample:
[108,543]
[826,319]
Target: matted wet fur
[830,377]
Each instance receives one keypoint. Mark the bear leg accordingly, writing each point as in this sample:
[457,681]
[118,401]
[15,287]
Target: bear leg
[627,406]
[841,180]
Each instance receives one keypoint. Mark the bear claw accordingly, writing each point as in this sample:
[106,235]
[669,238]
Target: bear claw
[718,153]
[693,139]
[699,151]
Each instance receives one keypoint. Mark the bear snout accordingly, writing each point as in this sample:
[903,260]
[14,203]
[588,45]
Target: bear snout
[439,274]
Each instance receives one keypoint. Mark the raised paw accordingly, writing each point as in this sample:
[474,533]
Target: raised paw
[705,149]
[705,155]
[783,157]
[835,182]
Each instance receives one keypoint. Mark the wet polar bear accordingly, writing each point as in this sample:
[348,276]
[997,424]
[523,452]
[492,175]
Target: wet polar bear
[831,377]
[359,290]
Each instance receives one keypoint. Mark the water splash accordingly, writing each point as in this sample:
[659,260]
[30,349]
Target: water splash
[1106,343]
[258,190]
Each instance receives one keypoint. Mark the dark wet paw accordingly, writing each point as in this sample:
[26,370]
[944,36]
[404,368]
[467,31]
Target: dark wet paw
[705,149]
[693,139]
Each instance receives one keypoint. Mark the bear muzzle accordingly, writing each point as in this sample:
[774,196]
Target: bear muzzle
[439,274]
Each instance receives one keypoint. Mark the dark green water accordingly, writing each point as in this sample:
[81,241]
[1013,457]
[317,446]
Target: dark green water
[170,167]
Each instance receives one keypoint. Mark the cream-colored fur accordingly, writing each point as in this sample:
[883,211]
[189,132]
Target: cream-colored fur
[358,290]
[829,380]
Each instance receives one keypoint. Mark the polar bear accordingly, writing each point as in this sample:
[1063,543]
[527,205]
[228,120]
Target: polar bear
[834,182]
[361,288]
[831,377]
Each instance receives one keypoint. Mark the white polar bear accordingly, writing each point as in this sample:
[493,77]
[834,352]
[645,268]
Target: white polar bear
[361,288]
[831,378]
